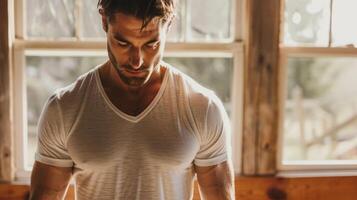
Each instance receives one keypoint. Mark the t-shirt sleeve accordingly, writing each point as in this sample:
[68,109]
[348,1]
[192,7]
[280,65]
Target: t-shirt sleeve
[51,148]
[215,141]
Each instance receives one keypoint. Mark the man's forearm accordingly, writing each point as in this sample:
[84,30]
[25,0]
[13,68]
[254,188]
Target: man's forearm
[216,182]
[49,182]
[224,191]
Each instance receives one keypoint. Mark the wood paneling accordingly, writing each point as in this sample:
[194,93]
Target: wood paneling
[260,125]
[326,188]
[6,153]
[22,192]
[14,192]
[249,188]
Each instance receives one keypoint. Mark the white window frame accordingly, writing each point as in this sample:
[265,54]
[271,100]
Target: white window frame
[78,47]
[308,168]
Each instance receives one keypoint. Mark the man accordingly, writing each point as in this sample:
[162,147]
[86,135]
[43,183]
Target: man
[133,127]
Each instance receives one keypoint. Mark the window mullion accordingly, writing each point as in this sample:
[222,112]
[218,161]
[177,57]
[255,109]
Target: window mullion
[282,88]
[20,107]
[186,23]
[319,51]
[330,25]
[78,11]
[20,19]
[237,92]
[237,13]
[99,45]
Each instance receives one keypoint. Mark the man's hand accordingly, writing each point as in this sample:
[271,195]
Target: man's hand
[216,182]
[49,182]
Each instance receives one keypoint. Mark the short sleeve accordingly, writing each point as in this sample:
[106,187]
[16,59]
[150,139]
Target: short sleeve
[51,148]
[215,145]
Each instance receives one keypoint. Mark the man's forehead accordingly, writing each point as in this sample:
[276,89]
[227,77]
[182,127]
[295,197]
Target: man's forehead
[134,24]
[135,32]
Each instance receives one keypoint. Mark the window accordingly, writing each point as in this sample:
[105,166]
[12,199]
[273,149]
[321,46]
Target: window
[56,41]
[319,67]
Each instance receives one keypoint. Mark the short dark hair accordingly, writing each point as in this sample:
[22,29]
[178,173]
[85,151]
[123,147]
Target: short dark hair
[145,10]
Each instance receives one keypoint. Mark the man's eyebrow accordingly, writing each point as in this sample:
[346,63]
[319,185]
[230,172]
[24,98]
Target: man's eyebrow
[155,39]
[120,38]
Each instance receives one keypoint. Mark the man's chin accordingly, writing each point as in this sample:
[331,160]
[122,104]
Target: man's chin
[135,84]
[132,80]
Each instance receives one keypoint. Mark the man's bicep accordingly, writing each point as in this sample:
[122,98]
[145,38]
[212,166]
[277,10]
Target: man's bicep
[49,182]
[52,137]
[215,138]
[217,181]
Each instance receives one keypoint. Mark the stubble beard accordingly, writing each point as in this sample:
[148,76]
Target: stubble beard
[131,82]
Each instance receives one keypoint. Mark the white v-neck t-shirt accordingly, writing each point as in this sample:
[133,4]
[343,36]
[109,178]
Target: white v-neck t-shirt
[148,156]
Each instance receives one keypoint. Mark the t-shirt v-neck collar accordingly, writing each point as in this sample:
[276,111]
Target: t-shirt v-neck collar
[124,115]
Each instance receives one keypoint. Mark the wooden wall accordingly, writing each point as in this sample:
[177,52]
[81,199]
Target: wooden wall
[6,147]
[254,188]
[260,111]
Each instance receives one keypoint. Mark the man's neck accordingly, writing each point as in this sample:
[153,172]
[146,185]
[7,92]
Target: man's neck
[112,80]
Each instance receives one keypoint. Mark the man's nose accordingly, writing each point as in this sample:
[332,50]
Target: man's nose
[136,58]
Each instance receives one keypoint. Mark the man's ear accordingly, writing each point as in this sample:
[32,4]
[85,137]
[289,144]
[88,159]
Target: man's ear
[104,20]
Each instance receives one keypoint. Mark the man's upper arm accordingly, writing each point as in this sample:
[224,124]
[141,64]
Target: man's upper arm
[216,182]
[215,134]
[212,162]
[49,182]
[51,145]
[53,167]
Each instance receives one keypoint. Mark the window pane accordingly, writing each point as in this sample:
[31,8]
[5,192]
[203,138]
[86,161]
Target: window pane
[209,19]
[320,120]
[307,22]
[213,73]
[56,19]
[50,19]
[91,23]
[344,33]
[175,33]
[44,75]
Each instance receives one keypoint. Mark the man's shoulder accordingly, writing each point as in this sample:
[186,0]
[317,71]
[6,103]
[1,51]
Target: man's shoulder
[65,105]
[198,98]
[192,89]
[75,90]
[202,103]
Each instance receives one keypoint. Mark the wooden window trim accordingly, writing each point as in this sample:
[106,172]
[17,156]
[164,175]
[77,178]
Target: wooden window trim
[309,168]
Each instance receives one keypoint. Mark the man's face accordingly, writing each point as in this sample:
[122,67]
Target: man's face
[135,53]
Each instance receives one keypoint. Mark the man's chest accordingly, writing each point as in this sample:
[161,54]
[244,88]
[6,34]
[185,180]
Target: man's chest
[158,139]
[130,105]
